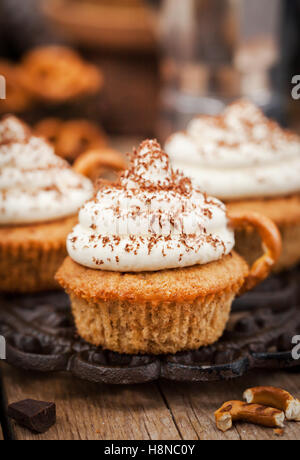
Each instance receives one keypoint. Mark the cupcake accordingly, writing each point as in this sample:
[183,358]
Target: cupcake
[40,196]
[151,266]
[252,164]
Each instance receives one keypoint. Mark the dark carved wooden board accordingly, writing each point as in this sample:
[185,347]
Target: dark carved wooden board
[41,336]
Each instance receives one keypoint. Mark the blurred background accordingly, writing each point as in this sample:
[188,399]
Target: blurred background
[144,68]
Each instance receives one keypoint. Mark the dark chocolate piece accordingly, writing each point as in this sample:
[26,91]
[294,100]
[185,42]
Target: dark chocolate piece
[37,416]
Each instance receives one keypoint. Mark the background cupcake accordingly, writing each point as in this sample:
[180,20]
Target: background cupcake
[252,164]
[39,198]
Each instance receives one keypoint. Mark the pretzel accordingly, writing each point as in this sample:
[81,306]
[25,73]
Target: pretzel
[233,411]
[274,397]
[271,240]
[57,74]
[71,138]
[93,162]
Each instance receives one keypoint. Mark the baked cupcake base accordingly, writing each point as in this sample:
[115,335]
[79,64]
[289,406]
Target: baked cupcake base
[154,312]
[30,255]
[285,213]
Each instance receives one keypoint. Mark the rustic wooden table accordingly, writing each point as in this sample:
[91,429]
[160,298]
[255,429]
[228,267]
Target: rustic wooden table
[154,411]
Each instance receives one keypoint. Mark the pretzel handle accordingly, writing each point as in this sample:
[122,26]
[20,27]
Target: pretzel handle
[271,241]
[92,160]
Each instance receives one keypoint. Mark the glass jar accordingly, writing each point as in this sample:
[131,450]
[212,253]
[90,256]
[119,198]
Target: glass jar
[215,51]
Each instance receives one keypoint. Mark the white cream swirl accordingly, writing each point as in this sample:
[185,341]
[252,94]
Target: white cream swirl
[239,154]
[35,184]
[152,219]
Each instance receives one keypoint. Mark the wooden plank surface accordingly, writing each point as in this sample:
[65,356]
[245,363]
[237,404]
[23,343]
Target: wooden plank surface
[89,411]
[194,404]
[158,411]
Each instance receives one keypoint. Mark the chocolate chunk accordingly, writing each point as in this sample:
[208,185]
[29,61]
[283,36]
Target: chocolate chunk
[37,416]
